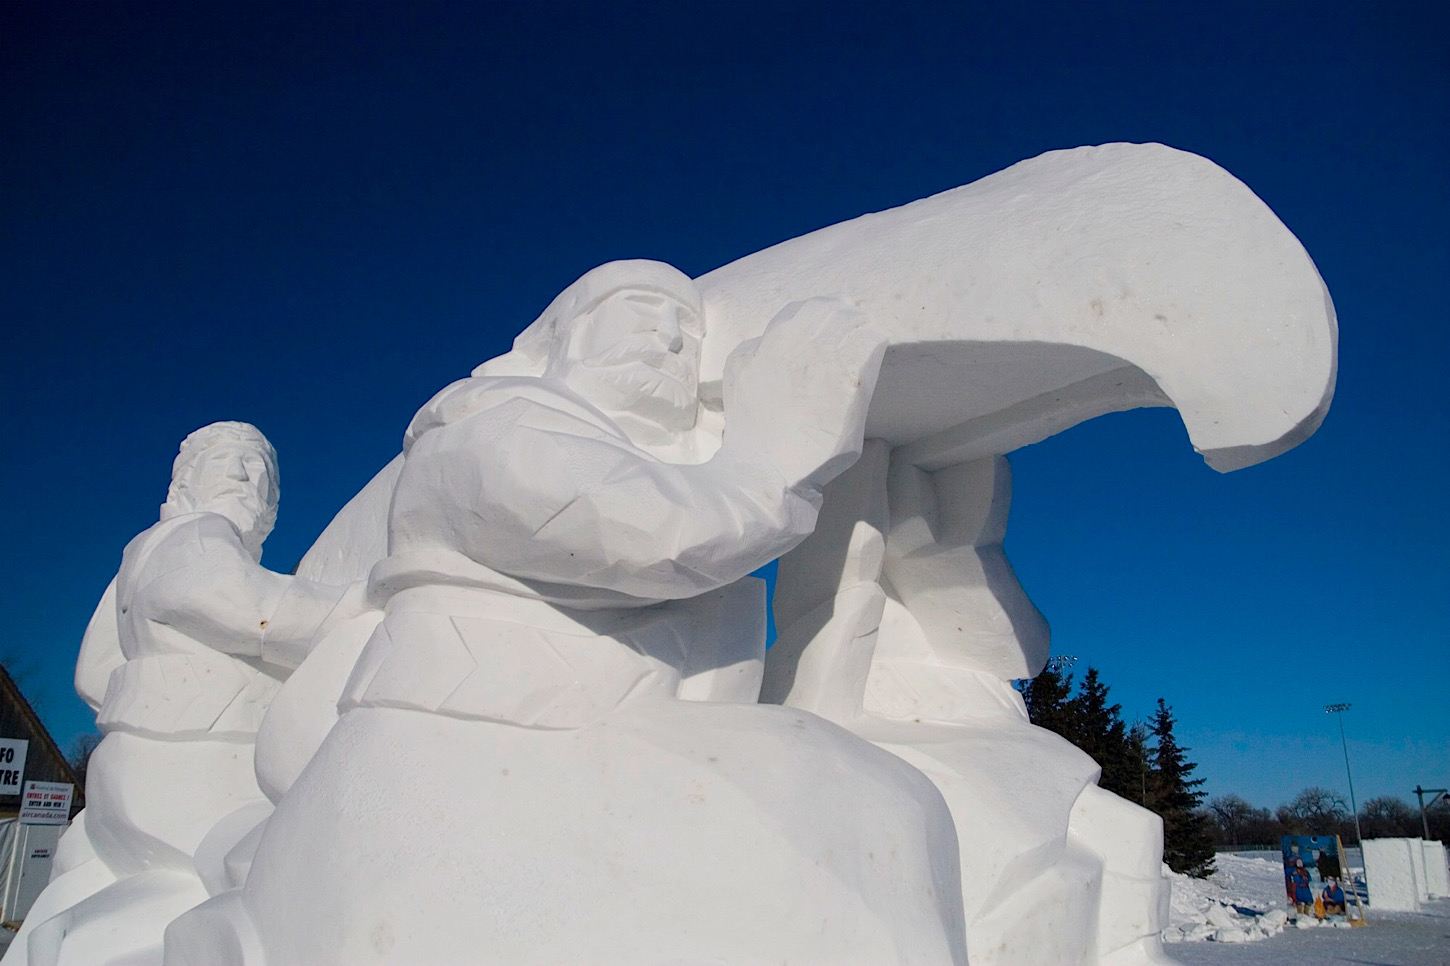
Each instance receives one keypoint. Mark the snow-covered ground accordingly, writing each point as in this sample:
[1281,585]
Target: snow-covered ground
[1229,920]
[1240,916]
[1243,901]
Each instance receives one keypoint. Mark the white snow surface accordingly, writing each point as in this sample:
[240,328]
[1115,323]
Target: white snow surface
[1243,901]
[1240,916]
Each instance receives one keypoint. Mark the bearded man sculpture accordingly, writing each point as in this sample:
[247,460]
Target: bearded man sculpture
[539,528]
[198,636]
[540,727]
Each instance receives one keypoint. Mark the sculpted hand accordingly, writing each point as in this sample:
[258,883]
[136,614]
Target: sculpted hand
[353,602]
[306,614]
[798,394]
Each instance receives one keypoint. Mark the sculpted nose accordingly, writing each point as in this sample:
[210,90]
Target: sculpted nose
[236,470]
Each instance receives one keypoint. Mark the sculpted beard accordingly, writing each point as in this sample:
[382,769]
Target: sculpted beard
[640,378]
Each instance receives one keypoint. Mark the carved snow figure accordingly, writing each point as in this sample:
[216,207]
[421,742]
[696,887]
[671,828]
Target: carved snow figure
[1068,286]
[538,530]
[191,640]
[520,750]
[901,620]
[1075,284]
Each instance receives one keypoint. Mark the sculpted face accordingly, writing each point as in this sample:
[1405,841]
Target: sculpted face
[234,480]
[637,352]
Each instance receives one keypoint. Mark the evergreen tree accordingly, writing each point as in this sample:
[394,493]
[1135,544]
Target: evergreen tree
[1187,840]
[1136,752]
[1090,722]
[1098,729]
[1047,699]
[1156,776]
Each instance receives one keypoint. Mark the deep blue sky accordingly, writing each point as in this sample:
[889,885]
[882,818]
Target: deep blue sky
[312,216]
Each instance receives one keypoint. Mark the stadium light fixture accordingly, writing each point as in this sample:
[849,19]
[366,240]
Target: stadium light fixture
[1339,709]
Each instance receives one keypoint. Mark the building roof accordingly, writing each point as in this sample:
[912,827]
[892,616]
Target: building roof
[44,761]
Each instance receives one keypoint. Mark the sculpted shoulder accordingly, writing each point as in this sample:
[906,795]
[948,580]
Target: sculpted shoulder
[525,394]
[171,544]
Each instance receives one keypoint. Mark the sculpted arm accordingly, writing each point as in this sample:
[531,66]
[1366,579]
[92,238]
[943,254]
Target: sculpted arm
[208,588]
[100,651]
[552,494]
[555,498]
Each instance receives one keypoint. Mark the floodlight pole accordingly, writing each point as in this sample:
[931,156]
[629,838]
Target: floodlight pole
[1420,793]
[1339,709]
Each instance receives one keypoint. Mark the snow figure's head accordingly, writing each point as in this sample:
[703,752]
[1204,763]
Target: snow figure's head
[626,338]
[227,468]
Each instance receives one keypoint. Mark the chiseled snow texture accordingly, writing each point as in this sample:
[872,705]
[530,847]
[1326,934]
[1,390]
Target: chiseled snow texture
[1397,873]
[899,619]
[539,604]
[1095,279]
[1070,285]
[1073,284]
[196,635]
[1437,872]
[1243,901]
[562,611]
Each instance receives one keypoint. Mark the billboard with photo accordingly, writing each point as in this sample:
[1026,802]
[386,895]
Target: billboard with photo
[1315,876]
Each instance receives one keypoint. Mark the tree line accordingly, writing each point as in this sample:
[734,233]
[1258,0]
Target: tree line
[1144,763]
[1320,811]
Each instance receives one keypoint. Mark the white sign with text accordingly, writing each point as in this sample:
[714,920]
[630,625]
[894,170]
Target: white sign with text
[12,764]
[46,803]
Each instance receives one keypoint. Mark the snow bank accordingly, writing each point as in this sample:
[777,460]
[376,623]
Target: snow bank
[1402,872]
[1241,902]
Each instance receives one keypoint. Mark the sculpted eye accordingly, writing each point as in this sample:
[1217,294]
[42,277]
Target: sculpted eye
[691,323]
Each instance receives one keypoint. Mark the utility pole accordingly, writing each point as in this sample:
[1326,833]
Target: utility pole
[1420,793]
[1339,709]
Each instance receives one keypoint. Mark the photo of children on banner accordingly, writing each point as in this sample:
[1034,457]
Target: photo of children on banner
[1332,897]
[1311,860]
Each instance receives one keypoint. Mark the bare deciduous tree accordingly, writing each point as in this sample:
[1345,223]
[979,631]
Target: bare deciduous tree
[1231,813]
[1318,803]
[1388,817]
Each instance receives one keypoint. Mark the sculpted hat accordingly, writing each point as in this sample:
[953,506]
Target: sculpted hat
[217,434]
[531,349]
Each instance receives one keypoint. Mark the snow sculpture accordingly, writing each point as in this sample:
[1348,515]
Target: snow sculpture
[551,733]
[1403,873]
[901,620]
[542,525]
[191,641]
[1437,872]
[1068,286]
[1071,285]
